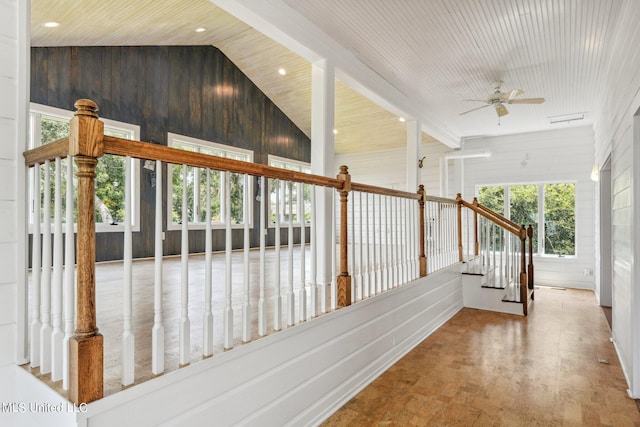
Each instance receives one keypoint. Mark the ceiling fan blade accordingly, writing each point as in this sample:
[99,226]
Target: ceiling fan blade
[475,100]
[514,93]
[501,110]
[526,101]
[474,109]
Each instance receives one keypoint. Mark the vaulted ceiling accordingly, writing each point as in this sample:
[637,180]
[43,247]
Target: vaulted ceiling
[436,53]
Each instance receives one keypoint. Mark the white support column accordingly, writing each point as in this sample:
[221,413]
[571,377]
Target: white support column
[322,163]
[414,140]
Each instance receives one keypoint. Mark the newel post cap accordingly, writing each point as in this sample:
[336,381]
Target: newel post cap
[86,130]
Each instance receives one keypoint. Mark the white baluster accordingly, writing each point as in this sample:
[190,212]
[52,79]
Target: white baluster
[57,335]
[185,324]
[415,218]
[352,262]
[246,308]
[291,304]
[410,239]
[128,339]
[387,271]
[314,251]
[368,280]
[207,318]
[501,237]
[403,238]
[397,243]
[278,310]
[228,309]
[493,246]
[361,266]
[374,262]
[487,232]
[36,269]
[379,245]
[334,264]
[302,295]
[262,307]
[45,284]
[157,333]
[69,277]
[392,249]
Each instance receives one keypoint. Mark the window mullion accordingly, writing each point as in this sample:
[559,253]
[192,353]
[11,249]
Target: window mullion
[541,225]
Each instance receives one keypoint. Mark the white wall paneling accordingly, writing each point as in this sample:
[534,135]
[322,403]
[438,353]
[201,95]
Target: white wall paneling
[296,377]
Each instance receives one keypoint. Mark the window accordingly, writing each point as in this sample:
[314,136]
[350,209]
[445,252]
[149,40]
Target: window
[549,208]
[48,124]
[288,193]
[559,219]
[197,185]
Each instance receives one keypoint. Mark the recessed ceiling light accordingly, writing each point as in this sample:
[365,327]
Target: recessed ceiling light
[51,24]
[335,131]
[402,119]
[200,30]
[282,71]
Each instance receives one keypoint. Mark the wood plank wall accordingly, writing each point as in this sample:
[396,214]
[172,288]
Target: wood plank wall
[188,90]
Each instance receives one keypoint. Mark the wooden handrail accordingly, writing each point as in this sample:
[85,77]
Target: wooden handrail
[366,188]
[148,151]
[495,214]
[495,218]
[50,151]
[440,200]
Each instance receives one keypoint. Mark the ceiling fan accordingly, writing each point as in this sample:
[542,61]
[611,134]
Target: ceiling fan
[497,99]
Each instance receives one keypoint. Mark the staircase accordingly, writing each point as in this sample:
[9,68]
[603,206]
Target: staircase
[495,276]
[487,288]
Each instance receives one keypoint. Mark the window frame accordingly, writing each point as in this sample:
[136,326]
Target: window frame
[37,111]
[271,158]
[173,138]
[541,218]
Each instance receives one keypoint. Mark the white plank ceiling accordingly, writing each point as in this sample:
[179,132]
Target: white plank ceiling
[437,52]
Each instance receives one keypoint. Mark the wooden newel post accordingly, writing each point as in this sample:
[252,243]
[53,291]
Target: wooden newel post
[530,269]
[460,254]
[523,269]
[423,257]
[86,346]
[475,227]
[344,280]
